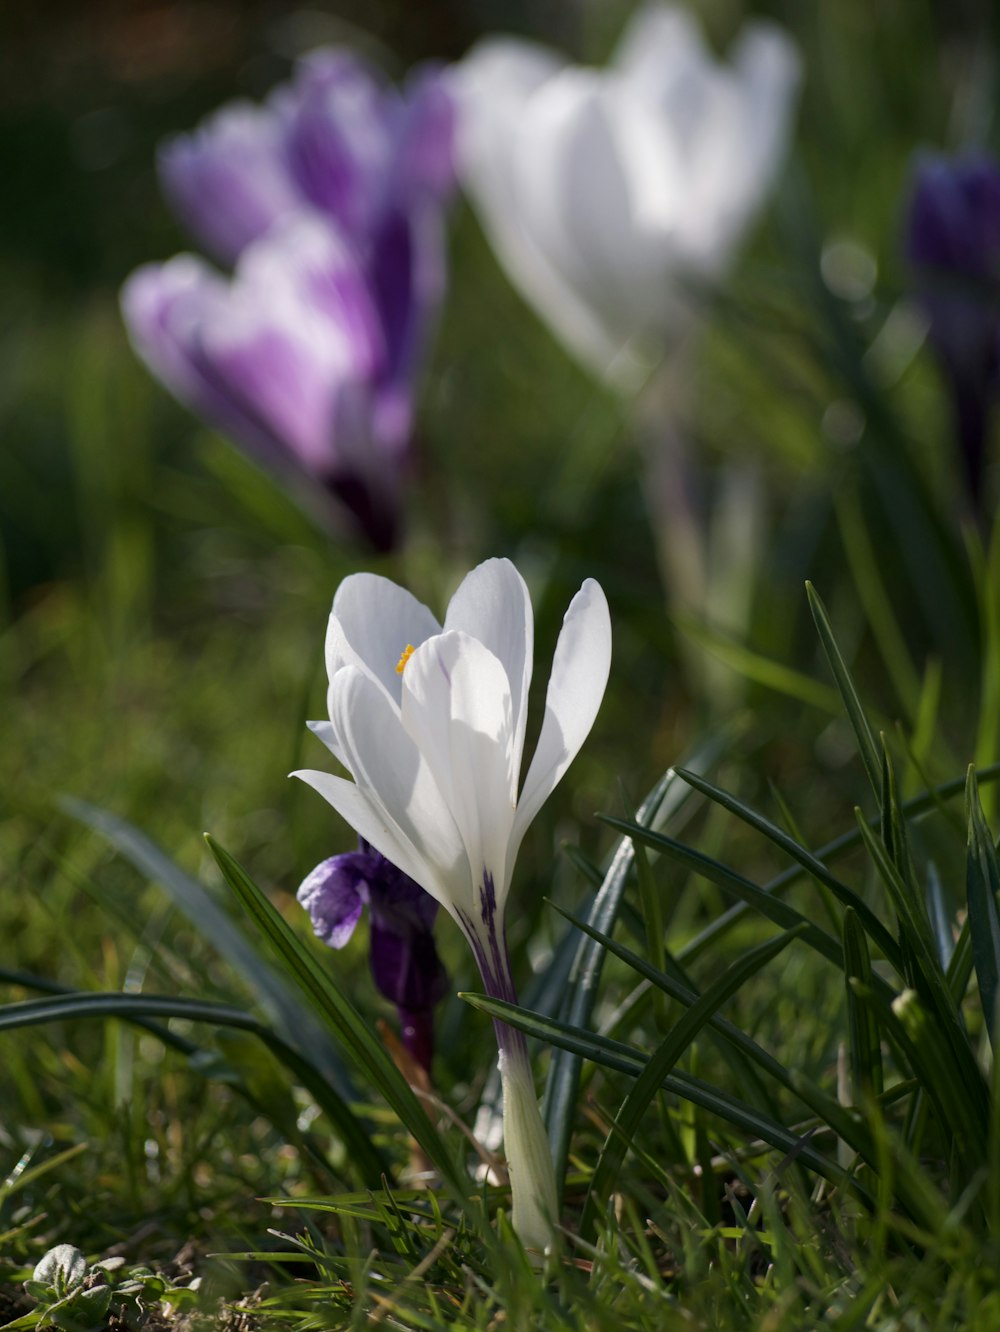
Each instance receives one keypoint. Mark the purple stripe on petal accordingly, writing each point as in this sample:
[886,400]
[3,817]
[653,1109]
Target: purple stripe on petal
[337,137]
[425,138]
[393,278]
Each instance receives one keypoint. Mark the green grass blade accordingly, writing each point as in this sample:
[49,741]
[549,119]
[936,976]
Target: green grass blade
[847,690]
[940,917]
[563,1083]
[864,1049]
[915,806]
[624,1059]
[989,690]
[332,1006]
[773,908]
[564,1071]
[288,1015]
[932,983]
[866,569]
[634,1106]
[810,863]
[685,995]
[982,877]
[757,668]
[927,1049]
[141,1009]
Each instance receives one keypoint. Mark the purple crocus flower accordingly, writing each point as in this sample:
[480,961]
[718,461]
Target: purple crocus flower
[375,162]
[404,960]
[328,201]
[290,358]
[953,243]
[229,180]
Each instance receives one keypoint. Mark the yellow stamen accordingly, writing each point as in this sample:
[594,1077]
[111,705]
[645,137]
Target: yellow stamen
[408,652]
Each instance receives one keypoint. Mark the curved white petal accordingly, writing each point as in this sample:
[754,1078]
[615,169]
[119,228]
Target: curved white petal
[660,46]
[391,772]
[767,69]
[573,198]
[372,623]
[610,195]
[456,706]
[580,669]
[492,605]
[494,88]
[370,822]
[323,730]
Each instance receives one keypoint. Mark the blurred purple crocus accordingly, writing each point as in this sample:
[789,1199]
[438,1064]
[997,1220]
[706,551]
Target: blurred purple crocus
[328,202]
[953,244]
[404,960]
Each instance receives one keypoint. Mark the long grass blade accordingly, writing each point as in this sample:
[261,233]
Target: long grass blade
[142,1009]
[773,908]
[624,1059]
[662,1062]
[288,1015]
[862,1029]
[877,932]
[912,808]
[982,878]
[847,690]
[564,1070]
[332,1006]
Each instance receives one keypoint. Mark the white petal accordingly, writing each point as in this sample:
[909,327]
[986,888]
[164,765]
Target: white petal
[323,730]
[372,623]
[495,86]
[580,669]
[575,199]
[456,705]
[368,821]
[660,47]
[391,773]
[492,604]
[767,68]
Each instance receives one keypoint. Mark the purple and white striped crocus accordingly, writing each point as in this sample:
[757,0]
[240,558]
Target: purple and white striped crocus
[288,357]
[953,244]
[328,200]
[429,721]
[404,959]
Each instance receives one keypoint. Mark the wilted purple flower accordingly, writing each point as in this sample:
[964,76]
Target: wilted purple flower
[328,200]
[404,960]
[953,243]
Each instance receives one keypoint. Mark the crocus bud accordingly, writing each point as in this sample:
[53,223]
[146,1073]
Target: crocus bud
[953,245]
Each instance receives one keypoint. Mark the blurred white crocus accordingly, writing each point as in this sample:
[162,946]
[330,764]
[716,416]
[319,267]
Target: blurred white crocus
[610,194]
[430,723]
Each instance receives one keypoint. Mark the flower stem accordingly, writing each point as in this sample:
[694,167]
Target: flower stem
[533,1196]
[534,1203]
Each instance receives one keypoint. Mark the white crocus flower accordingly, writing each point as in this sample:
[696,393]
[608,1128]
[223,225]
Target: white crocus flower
[429,720]
[608,194]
